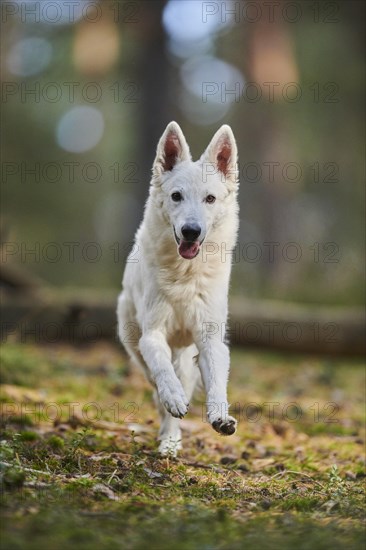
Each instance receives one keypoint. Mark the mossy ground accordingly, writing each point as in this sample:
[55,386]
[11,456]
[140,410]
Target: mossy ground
[80,469]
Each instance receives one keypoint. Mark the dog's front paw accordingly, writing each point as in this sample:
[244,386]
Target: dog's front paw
[225,426]
[177,405]
[175,401]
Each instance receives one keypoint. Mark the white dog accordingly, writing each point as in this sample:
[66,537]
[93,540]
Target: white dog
[175,287]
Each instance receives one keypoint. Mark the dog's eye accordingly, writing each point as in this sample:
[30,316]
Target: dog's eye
[210,199]
[177,197]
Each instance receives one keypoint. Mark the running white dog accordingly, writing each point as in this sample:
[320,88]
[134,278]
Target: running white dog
[175,287]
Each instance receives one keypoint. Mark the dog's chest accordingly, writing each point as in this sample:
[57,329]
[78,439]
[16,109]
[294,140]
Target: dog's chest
[191,291]
[184,322]
[186,290]
[189,300]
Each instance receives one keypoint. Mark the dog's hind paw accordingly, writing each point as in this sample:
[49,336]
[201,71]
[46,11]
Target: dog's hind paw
[170,446]
[225,426]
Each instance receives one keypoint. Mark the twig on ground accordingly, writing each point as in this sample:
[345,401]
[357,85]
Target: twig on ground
[293,472]
[26,469]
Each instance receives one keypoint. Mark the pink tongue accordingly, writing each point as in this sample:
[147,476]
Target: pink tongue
[188,250]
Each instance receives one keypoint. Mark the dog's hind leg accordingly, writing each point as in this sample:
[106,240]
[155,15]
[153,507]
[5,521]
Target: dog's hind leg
[186,368]
[129,332]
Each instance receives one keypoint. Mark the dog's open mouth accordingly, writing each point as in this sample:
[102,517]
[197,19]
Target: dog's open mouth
[187,249]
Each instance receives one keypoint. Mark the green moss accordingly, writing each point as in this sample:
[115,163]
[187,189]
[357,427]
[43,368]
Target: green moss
[301,504]
[19,368]
[331,429]
[189,528]
[56,442]
[21,420]
[301,485]
[13,477]
[28,436]
[6,449]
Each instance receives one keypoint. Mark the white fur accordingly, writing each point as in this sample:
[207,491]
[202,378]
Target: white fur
[171,309]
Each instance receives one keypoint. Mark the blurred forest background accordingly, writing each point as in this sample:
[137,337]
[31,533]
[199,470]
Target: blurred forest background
[88,88]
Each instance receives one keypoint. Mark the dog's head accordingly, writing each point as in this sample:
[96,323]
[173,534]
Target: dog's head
[194,196]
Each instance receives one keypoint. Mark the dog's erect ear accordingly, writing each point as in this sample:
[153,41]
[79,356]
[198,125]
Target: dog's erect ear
[172,148]
[222,152]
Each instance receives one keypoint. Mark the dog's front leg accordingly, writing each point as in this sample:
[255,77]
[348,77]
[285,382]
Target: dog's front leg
[158,357]
[214,362]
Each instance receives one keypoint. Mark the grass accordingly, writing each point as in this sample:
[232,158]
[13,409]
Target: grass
[79,466]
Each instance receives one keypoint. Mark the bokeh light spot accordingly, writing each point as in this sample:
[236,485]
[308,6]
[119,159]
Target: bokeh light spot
[29,56]
[80,129]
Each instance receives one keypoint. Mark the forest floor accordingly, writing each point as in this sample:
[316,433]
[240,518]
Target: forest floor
[79,462]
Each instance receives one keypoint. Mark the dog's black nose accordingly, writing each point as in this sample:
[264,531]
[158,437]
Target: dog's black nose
[191,231]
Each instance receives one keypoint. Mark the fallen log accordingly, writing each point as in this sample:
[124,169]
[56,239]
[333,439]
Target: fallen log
[87,317]
[297,327]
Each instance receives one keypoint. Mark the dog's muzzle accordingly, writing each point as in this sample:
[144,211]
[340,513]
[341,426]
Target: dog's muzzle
[188,249]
